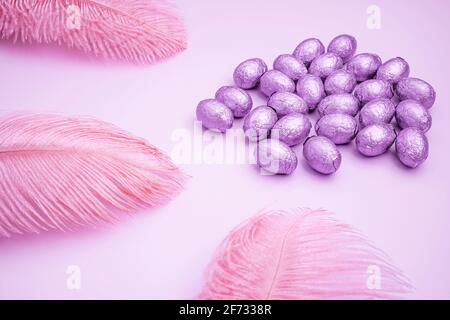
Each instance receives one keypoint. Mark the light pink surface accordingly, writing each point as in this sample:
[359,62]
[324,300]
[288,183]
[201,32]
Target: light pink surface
[162,254]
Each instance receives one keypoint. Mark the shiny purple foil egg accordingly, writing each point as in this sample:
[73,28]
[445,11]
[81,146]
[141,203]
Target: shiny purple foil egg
[377,111]
[292,129]
[343,46]
[339,103]
[410,113]
[373,89]
[364,66]
[214,115]
[393,70]
[340,81]
[276,157]
[375,139]
[308,50]
[276,81]
[247,74]
[339,128]
[325,64]
[259,122]
[237,99]
[285,103]
[411,147]
[290,66]
[322,155]
[310,89]
[416,89]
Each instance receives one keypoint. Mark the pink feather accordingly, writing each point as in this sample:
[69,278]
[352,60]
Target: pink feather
[142,31]
[299,254]
[62,173]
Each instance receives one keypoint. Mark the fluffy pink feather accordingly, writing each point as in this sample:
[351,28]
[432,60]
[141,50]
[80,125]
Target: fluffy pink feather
[299,254]
[132,30]
[62,173]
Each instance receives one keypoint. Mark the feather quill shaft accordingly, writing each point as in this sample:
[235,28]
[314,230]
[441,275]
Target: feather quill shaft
[300,254]
[65,172]
[142,31]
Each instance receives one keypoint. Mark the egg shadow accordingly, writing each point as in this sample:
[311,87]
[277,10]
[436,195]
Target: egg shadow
[354,151]
[268,175]
[258,96]
[399,165]
[390,154]
[307,168]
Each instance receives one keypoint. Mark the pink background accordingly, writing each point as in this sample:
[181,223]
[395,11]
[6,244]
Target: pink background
[161,254]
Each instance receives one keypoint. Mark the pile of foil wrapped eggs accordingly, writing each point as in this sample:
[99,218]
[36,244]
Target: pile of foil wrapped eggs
[356,96]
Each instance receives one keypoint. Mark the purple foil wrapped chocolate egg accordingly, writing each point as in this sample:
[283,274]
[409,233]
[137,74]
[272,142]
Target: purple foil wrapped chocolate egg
[340,81]
[343,46]
[285,103]
[308,50]
[364,66]
[214,115]
[247,74]
[411,147]
[375,139]
[410,113]
[373,89]
[325,64]
[276,81]
[259,122]
[339,128]
[339,103]
[276,157]
[290,66]
[393,70]
[310,89]
[292,129]
[377,111]
[322,155]
[237,99]
[416,89]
